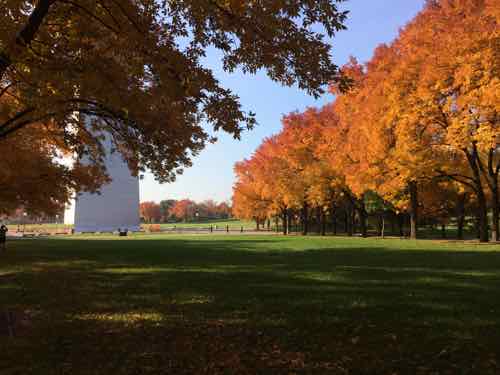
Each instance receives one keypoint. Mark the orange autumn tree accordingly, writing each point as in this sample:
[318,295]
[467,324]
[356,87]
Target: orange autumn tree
[136,68]
[446,115]
[402,110]
[421,116]
[33,172]
[150,212]
[315,179]
[248,200]
[184,209]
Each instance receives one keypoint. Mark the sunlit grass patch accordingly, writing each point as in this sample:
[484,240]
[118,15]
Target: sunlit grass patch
[125,318]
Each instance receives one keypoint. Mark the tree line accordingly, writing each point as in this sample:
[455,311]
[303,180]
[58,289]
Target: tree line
[184,210]
[416,139]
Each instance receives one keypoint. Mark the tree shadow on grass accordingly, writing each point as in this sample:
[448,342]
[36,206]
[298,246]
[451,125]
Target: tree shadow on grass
[254,305]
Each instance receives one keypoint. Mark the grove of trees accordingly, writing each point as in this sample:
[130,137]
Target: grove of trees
[184,210]
[415,140]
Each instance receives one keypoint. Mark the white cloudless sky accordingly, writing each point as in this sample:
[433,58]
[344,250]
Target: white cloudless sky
[369,23]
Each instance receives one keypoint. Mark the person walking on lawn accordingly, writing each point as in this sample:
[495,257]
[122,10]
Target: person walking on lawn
[3,237]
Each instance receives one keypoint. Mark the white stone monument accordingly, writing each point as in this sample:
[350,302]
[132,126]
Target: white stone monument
[117,205]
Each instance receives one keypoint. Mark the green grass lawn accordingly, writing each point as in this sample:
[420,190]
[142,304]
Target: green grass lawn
[249,305]
[220,223]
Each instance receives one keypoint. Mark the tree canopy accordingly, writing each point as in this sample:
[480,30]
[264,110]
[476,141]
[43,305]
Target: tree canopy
[135,67]
[420,127]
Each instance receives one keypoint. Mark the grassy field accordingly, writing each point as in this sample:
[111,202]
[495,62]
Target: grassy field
[220,223]
[249,305]
[234,224]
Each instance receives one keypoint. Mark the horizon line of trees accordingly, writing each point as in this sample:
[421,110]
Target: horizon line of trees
[416,140]
[183,210]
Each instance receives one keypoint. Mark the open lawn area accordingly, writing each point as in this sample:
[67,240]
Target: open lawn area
[248,305]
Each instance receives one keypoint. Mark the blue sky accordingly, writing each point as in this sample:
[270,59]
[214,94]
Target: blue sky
[370,23]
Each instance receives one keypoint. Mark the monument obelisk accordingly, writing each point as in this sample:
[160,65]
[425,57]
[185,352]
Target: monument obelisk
[117,205]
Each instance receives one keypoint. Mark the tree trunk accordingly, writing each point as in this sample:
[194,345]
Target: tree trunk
[334,220]
[461,215]
[495,234]
[349,220]
[353,219]
[473,159]
[285,221]
[305,219]
[346,220]
[412,186]
[443,230]
[318,220]
[401,224]
[268,224]
[491,173]
[482,217]
[493,183]
[382,232]
[323,223]
[362,217]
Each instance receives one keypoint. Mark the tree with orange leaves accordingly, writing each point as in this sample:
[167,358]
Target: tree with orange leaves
[136,68]
[150,212]
[184,210]
[33,172]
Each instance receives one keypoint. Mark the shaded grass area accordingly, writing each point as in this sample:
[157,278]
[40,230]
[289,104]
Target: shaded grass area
[246,305]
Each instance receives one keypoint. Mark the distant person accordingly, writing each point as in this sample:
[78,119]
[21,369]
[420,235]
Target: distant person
[3,237]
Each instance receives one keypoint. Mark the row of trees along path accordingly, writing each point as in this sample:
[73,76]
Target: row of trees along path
[417,136]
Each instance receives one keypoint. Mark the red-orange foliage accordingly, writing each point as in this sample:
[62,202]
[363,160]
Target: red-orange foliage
[421,113]
[184,210]
[150,211]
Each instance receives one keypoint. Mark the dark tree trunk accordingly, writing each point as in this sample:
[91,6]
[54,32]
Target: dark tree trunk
[495,234]
[305,219]
[401,222]
[353,219]
[393,224]
[362,217]
[268,224]
[443,230]
[382,232]
[348,221]
[482,214]
[482,217]
[412,187]
[461,215]
[493,172]
[333,214]
[323,223]
[285,221]
[318,220]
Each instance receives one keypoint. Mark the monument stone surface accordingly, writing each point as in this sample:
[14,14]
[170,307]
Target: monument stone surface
[117,205]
